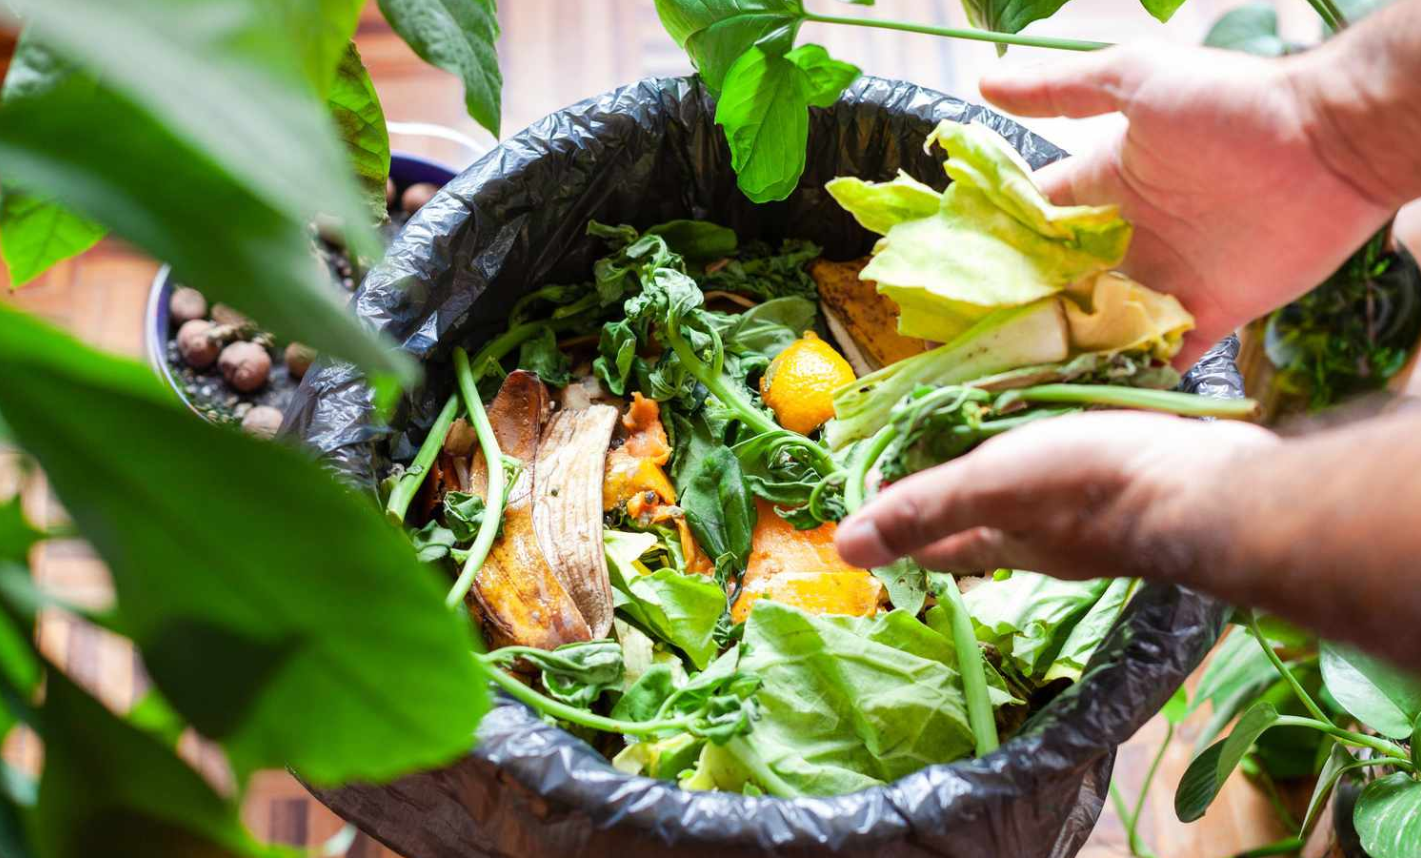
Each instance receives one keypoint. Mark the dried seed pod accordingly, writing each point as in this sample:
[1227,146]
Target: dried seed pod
[298,359]
[186,304]
[196,343]
[263,421]
[245,366]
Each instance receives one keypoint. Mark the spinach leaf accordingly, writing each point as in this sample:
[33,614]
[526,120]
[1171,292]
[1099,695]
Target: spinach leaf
[1375,693]
[459,36]
[96,152]
[238,651]
[1388,816]
[360,121]
[906,582]
[683,610]
[575,673]
[697,240]
[1008,16]
[720,510]
[716,33]
[541,354]
[765,272]
[1030,617]
[695,437]
[464,514]
[767,329]
[764,110]
[36,231]
[721,698]
[847,702]
[616,356]
[432,542]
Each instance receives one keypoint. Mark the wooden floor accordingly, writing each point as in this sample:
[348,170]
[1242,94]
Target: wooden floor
[556,52]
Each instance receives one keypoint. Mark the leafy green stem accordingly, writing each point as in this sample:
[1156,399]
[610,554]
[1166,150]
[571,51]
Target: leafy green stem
[1329,13]
[855,490]
[1145,785]
[494,496]
[958,33]
[1132,838]
[969,664]
[1399,758]
[1144,399]
[408,485]
[571,714]
[1287,674]
[715,382]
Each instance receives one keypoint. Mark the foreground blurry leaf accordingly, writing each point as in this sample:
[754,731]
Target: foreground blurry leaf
[360,121]
[1163,10]
[1206,775]
[36,232]
[323,29]
[110,789]
[458,36]
[764,109]
[1375,693]
[715,33]
[275,610]
[109,159]
[1388,816]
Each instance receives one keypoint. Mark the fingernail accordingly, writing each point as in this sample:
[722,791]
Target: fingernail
[858,541]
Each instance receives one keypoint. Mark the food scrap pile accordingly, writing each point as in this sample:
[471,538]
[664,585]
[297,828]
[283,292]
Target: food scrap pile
[638,503]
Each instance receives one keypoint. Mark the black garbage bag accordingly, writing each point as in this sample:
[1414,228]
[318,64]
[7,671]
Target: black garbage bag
[647,153]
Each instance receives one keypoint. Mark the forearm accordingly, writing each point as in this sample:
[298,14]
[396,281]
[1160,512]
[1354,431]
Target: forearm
[1324,530]
[1362,95]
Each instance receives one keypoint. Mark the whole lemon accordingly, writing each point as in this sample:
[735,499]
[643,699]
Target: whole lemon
[800,382]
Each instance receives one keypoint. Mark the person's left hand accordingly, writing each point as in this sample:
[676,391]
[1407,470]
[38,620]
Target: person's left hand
[1082,496]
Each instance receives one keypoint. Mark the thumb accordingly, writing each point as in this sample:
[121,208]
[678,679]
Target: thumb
[1083,85]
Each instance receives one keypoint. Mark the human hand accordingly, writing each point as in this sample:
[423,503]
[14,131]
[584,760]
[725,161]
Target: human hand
[1084,496]
[1228,169]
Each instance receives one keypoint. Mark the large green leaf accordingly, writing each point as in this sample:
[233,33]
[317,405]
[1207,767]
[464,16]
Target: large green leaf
[682,610]
[108,158]
[458,36]
[764,109]
[110,789]
[1008,16]
[1029,617]
[1339,761]
[1206,775]
[1388,816]
[276,610]
[323,29]
[1378,695]
[716,33]
[355,107]
[1252,29]
[220,77]
[35,231]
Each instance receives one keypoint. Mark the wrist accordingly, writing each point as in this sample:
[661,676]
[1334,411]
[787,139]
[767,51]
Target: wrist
[1357,104]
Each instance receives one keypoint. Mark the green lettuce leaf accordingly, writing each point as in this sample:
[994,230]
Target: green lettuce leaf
[680,609]
[1030,618]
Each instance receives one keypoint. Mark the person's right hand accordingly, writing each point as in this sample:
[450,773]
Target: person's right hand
[1226,169]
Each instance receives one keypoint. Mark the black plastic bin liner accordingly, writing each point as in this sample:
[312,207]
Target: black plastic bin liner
[515,220]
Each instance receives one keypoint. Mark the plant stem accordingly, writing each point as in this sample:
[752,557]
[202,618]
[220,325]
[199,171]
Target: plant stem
[1149,779]
[715,383]
[956,33]
[1347,737]
[571,714]
[855,492]
[1171,401]
[1287,674]
[1329,13]
[969,664]
[1132,839]
[1286,846]
[409,484]
[493,464]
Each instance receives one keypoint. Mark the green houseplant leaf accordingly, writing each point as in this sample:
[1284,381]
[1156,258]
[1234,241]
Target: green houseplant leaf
[1388,816]
[360,121]
[458,36]
[1378,695]
[717,33]
[284,669]
[91,802]
[324,28]
[1206,775]
[1252,29]
[35,231]
[764,109]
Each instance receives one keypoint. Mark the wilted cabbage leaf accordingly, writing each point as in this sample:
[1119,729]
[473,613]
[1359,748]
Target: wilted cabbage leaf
[1111,312]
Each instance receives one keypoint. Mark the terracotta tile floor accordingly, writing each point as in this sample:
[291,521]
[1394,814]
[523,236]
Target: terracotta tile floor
[556,52]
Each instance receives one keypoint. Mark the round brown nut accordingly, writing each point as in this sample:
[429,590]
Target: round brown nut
[197,348]
[186,304]
[245,366]
[263,421]
[416,196]
[298,359]
[225,315]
